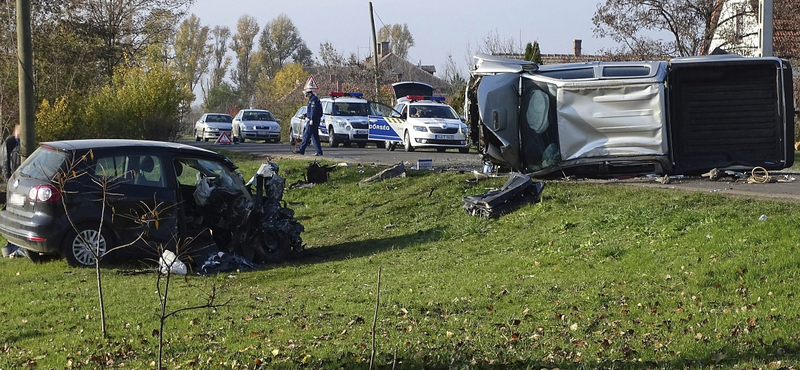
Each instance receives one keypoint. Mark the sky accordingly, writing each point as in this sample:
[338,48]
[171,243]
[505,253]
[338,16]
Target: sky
[439,27]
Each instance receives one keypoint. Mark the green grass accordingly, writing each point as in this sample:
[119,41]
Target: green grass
[594,276]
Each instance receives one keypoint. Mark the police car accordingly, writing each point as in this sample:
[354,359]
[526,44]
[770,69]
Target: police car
[344,120]
[430,123]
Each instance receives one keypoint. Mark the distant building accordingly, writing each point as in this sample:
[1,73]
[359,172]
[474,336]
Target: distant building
[400,69]
[738,29]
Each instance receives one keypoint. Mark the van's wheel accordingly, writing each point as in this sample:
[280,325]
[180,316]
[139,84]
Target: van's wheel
[76,245]
[407,142]
[332,140]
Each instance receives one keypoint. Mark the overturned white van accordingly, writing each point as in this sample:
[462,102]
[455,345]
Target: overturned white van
[598,119]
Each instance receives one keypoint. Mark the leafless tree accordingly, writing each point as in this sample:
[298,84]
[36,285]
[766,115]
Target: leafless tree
[638,24]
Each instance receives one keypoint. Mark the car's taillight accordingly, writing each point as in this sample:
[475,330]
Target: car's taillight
[44,193]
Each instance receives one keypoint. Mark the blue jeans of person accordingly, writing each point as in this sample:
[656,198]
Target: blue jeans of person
[311,133]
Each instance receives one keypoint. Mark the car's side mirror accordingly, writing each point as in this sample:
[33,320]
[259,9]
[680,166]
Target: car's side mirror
[278,120]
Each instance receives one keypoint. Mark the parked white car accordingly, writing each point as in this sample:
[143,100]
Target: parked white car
[430,123]
[212,125]
[255,124]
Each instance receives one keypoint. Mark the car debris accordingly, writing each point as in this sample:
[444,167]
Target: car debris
[518,191]
[398,170]
[261,230]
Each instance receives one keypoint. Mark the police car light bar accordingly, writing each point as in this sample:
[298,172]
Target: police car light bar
[420,97]
[336,94]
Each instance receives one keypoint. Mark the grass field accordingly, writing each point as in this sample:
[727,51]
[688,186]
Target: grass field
[594,276]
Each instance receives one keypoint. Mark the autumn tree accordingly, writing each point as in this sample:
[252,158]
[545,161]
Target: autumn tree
[192,51]
[242,44]
[280,43]
[399,38]
[125,27]
[328,56]
[689,25]
[221,62]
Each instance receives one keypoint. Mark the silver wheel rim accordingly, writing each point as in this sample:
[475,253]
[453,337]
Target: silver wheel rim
[85,240]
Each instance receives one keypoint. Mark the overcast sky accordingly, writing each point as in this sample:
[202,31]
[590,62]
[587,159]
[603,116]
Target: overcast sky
[439,27]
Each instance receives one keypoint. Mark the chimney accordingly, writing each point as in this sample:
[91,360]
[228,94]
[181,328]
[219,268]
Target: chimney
[576,47]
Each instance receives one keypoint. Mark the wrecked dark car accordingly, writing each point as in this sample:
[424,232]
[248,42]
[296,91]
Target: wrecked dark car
[602,119]
[139,198]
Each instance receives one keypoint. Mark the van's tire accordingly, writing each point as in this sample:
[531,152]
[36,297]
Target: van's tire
[75,249]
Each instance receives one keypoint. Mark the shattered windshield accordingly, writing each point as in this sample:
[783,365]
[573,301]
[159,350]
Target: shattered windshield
[191,171]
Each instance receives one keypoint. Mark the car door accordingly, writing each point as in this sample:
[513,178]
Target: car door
[385,123]
[140,198]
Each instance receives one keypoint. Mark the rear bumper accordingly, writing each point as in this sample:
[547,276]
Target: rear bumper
[38,233]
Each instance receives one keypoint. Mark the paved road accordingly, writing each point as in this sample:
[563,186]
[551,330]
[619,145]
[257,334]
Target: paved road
[787,189]
[451,159]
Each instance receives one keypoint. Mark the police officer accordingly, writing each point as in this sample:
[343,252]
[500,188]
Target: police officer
[313,113]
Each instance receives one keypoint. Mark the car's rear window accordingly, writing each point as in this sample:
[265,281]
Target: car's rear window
[43,164]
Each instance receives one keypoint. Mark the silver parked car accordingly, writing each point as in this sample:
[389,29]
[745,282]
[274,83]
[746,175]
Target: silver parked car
[298,124]
[255,124]
[212,125]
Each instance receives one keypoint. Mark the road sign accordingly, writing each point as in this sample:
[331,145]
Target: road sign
[311,84]
[223,139]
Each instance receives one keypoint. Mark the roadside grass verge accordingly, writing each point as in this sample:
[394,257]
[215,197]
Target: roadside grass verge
[594,276]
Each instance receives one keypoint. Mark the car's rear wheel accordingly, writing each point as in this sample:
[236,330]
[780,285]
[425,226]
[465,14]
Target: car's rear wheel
[407,142]
[463,150]
[81,247]
[332,140]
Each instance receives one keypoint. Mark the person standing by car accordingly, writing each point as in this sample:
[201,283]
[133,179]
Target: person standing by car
[311,133]
[10,153]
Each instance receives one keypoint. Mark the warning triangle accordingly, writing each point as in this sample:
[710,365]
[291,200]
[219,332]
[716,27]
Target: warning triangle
[223,139]
[311,84]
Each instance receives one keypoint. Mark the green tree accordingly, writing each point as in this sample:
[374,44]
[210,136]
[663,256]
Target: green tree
[139,103]
[532,53]
[222,98]
[192,51]
[399,38]
[242,44]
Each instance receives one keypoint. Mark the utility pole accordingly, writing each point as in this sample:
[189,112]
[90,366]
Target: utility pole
[374,48]
[765,31]
[27,134]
